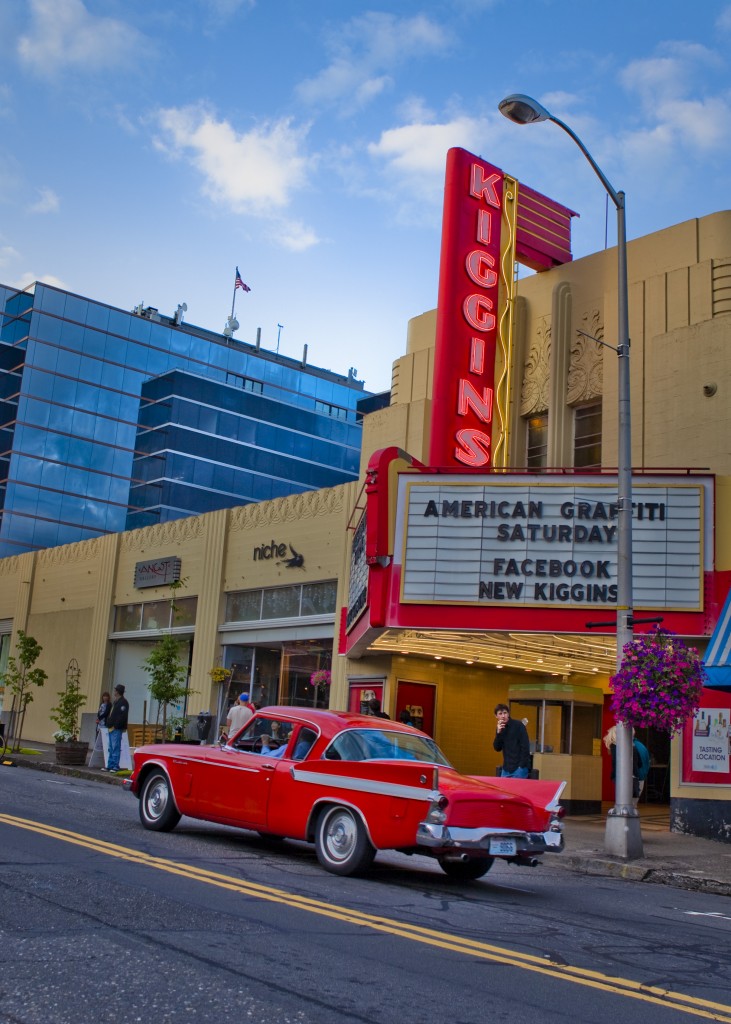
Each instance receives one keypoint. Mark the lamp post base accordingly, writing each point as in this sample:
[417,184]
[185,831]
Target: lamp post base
[623,836]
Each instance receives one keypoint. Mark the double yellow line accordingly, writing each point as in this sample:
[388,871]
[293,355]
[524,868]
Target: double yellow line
[441,940]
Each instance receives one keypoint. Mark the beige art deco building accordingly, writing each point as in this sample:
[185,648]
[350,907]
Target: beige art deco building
[267,589]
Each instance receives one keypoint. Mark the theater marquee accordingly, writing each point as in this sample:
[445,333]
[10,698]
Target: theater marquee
[529,542]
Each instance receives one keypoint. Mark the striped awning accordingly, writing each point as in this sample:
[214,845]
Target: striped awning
[717,661]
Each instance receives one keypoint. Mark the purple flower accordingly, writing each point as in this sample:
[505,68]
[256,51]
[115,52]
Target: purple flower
[659,682]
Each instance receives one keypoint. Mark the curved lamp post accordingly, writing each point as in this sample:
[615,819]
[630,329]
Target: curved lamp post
[623,837]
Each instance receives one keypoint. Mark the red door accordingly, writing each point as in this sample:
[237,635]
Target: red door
[419,700]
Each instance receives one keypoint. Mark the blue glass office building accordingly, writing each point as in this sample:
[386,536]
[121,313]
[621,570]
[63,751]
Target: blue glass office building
[111,420]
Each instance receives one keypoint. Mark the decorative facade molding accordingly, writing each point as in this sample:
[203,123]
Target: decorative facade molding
[79,551]
[307,505]
[721,286]
[535,385]
[177,531]
[586,372]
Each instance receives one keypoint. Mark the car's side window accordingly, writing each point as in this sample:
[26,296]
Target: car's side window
[346,747]
[303,744]
[264,736]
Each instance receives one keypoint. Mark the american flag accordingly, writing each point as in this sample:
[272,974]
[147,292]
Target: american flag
[239,283]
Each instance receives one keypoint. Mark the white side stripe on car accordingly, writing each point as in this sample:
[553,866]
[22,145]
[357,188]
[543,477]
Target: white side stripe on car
[364,785]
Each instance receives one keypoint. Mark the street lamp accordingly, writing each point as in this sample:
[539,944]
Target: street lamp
[623,837]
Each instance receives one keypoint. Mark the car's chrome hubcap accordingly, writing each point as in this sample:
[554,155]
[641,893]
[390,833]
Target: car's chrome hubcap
[156,800]
[341,836]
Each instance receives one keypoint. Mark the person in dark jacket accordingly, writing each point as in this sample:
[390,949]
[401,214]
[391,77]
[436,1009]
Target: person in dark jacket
[116,724]
[374,708]
[512,739]
[104,708]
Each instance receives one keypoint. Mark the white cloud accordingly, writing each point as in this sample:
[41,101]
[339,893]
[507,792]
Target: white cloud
[295,236]
[254,173]
[8,255]
[364,50]
[63,34]
[723,21]
[681,108]
[412,158]
[417,148]
[29,278]
[47,202]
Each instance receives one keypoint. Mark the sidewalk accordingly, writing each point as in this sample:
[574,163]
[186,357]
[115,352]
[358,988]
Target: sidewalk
[686,862]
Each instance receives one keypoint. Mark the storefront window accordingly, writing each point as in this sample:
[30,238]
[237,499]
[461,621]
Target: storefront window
[319,598]
[156,615]
[281,603]
[299,660]
[559,727]
[127,617]
[244,606]
[185,611]
[277,674]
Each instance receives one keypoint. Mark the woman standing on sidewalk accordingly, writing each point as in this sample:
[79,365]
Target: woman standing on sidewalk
[104,708]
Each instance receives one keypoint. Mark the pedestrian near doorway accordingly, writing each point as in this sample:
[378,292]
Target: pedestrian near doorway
[638,773]
[511,738]
[374,708]
[238,715]
[117,718]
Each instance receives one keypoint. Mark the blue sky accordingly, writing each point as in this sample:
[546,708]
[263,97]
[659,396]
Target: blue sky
[147,148]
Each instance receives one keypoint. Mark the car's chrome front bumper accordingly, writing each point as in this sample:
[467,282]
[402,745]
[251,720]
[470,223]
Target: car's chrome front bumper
[487,840]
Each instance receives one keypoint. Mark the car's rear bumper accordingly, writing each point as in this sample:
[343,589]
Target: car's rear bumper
[448,838]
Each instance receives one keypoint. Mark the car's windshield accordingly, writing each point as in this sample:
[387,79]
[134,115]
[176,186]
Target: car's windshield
[380,744]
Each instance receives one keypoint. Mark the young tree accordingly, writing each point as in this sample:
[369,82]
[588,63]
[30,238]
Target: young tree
[20,677]
[168,674]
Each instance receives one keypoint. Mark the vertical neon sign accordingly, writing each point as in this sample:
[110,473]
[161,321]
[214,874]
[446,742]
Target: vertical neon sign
[467,313]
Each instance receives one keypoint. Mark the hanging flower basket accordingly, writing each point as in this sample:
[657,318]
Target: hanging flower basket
[659,684]
[219,674]
[323,677]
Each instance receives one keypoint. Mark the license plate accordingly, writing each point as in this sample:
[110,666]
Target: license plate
[502,847]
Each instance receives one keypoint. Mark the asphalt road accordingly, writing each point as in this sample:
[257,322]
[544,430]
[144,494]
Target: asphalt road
[102,921]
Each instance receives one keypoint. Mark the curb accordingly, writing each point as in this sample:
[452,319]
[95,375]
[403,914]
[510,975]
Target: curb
[633,872]
[61,769]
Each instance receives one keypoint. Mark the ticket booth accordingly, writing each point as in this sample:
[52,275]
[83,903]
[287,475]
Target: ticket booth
[564,724]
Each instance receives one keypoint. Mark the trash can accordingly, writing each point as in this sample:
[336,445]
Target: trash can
[204,725]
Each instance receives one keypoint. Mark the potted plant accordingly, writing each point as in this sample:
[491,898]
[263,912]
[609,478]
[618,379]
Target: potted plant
[69,749]
[176,726]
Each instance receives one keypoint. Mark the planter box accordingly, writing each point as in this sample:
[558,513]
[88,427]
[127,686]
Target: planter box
[71,752]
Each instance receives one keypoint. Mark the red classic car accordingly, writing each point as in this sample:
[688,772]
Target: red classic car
[352,784]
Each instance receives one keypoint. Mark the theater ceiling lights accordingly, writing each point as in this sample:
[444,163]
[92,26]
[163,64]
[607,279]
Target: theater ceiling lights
[541,653]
